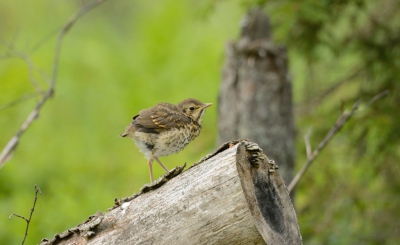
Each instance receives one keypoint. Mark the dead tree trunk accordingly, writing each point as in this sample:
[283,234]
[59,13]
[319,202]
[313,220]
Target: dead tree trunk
[232,196]
[255,100]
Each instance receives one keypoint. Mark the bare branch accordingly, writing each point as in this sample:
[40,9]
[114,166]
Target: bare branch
[28,220]
[343,118]
[12,144]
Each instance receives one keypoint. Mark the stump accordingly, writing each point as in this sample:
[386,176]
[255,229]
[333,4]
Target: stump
[255,95]
[233,196]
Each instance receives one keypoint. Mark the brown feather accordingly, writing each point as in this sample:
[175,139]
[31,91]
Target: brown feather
[161,117]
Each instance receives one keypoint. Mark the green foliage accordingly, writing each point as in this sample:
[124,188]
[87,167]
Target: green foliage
[124,56]
[342,51]
[119,58]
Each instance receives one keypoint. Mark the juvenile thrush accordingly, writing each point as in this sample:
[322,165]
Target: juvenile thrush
[165,129]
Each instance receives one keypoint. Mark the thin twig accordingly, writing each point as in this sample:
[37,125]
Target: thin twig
[307,142]
[28,220]
[12,53]
[19,100]
[336,85]
[377,97]
[41,42]
[343,118]
[31,67]
[13,142]
[31,70]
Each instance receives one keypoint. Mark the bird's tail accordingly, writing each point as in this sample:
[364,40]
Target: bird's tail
[129,129]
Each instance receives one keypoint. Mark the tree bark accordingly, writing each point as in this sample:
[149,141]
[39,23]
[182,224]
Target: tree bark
[232,196]
[255,100]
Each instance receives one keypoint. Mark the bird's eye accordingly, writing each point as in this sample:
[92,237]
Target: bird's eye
[191,108]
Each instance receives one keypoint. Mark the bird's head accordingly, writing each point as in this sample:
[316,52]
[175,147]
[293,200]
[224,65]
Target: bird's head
[193,108]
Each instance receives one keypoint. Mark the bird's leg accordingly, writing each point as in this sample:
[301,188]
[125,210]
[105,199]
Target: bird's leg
[159,162]
[150,163]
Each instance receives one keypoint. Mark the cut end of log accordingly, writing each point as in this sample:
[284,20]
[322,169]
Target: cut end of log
[267,196]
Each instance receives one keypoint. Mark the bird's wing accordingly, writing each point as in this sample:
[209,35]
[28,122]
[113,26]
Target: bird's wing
[161,117]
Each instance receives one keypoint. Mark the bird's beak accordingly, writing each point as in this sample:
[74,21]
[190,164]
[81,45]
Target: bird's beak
[206,105]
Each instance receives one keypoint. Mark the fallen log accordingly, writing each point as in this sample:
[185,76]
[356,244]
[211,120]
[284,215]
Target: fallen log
[233,196]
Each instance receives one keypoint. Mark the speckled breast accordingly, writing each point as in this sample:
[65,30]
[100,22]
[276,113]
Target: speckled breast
[175,139]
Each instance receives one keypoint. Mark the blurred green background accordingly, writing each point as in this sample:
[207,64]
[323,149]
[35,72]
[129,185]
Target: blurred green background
[127,55]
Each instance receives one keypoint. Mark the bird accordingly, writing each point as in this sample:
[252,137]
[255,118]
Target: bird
[165,129]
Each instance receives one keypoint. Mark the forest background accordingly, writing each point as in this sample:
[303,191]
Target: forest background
[124,56]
